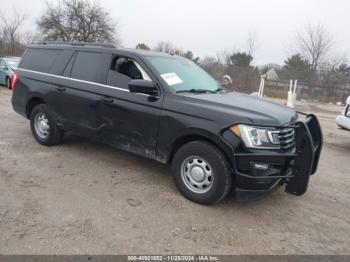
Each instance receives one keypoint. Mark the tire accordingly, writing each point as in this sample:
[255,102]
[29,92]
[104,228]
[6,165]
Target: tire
[43,126]
[201,172]
[8,82]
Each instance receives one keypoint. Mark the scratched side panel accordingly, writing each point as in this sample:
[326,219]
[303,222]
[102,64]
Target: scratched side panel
[130,122]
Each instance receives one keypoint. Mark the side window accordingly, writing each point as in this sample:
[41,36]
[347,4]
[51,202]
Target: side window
[40,59]
[123,70]
[86,66]
[2,64]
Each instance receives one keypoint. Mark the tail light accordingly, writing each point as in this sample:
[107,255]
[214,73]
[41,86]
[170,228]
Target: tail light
[14,81]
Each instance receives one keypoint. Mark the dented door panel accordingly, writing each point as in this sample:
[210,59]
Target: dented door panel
[128,121]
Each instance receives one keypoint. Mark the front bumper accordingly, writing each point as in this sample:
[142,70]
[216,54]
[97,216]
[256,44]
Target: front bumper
[292,168]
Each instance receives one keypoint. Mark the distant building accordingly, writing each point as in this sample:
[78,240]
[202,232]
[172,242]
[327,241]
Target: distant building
[272,75]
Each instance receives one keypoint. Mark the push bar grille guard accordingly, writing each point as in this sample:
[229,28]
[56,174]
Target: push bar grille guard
[302,162]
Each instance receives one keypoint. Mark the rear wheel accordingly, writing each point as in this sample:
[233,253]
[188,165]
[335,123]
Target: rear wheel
[44,128]
[201,172]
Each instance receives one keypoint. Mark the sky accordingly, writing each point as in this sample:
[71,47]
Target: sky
[208,27]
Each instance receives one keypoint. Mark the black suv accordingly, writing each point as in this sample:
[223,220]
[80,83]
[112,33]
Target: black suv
[167,108]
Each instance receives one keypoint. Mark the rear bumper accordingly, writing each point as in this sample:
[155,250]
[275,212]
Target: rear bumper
[343,121]
[292,169]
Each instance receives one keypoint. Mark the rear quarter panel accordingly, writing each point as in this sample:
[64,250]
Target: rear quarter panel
[28,88]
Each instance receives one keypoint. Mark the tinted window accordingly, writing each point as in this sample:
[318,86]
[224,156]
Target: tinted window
[123,70]
[41,60]
[67,71]
[86,66]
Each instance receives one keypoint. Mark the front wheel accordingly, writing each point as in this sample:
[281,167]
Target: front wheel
[43,126]
[201,172]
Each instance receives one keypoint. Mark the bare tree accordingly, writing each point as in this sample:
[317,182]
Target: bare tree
[142,46]
[252,42]
[10,27]
[224,57]
[164,46]
[168,47]
[30,37]
[333,74]
[77,20]
[213,66]
[314,43]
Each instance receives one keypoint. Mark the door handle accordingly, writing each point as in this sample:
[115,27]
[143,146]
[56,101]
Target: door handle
[107,100]
[61,89]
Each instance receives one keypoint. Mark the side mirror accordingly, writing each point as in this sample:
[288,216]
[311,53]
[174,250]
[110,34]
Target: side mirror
[348,100]
[143,87]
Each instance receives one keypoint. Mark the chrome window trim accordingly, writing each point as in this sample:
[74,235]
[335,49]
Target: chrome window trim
[81,81]
[74,79]
[143,72]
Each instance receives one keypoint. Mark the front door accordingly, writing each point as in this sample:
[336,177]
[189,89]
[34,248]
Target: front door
[128,121]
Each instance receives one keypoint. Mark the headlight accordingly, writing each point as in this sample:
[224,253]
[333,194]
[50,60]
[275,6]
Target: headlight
[257,137]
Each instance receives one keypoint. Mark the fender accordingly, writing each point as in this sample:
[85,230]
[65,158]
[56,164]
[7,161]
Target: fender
[192,134]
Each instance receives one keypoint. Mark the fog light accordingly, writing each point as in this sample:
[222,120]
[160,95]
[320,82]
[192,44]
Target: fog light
[264,169]
[261,166]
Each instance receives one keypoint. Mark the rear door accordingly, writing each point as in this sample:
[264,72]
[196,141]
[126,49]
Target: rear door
[75,98]
[129,121]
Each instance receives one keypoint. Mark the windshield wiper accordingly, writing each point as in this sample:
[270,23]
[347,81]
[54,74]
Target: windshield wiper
[196,91]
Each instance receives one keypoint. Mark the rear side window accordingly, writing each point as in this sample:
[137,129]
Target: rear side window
[40,59]
[67,71]
[87,66]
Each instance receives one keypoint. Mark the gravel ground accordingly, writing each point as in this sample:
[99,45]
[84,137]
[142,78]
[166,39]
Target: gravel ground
[82,197]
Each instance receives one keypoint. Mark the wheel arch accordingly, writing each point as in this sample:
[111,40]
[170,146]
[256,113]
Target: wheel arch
[32,102]
[203,136]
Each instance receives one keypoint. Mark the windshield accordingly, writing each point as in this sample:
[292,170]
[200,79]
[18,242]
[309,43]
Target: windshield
[13,63]
[182,74]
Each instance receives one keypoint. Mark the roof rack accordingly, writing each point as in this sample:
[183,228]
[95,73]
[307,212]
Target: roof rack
[75,43]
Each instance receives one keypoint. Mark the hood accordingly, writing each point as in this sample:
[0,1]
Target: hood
[242,108]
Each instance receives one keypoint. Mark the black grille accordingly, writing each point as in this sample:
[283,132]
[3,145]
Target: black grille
[286,138]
